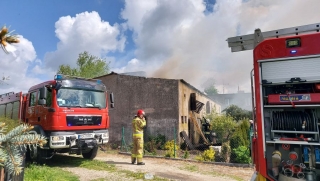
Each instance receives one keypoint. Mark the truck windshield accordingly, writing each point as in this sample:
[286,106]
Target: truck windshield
[67,97]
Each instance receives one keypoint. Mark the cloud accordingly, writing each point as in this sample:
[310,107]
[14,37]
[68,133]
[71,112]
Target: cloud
[84,32]
[15,65]
[133,65]
[180,39]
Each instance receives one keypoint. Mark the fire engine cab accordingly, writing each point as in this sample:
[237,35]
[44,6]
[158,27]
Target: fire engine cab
[286,102]
[71,112]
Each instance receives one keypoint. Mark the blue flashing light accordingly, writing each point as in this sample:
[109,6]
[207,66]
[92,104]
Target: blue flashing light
[99,124]
[58,77]
[293,51]
[99,81]
[69,124]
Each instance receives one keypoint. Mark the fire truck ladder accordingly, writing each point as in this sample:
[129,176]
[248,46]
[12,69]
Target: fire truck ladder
[249,42]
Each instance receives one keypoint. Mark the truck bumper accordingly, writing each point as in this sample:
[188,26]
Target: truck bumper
[68,139]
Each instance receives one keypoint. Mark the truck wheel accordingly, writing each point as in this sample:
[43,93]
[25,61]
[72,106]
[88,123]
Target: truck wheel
[38,155]
[91,154]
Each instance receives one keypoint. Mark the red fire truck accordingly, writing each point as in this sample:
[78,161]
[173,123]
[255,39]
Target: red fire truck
[286,102]
[71,112]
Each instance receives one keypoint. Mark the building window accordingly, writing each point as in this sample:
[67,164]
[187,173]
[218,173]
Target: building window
[185,119]
[181,119]
[208,109]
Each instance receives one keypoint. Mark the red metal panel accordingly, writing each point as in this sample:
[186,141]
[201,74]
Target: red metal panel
[261,164]
[276,47]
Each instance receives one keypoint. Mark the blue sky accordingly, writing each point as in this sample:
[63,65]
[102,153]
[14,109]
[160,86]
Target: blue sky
[35,19]
[177,39]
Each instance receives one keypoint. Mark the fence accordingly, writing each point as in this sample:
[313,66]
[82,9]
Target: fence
[230,148]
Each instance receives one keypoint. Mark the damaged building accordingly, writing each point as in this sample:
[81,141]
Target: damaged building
[172,106]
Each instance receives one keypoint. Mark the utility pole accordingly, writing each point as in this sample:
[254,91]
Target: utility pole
[223,84]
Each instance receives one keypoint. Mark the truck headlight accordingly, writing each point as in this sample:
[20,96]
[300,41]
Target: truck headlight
[105,135]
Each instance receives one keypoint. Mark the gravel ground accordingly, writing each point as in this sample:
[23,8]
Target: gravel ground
[165,168]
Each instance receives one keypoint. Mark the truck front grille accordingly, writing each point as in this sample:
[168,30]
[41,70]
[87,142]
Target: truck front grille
[83,120]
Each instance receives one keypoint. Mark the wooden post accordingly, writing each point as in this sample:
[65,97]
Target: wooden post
[2,174]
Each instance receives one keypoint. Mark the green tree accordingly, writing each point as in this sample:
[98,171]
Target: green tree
[88,66]
[237,113]
[211,90]
[223,125]
[209,87]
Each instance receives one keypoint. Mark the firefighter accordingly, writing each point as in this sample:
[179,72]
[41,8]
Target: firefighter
[206,129]
[138,123]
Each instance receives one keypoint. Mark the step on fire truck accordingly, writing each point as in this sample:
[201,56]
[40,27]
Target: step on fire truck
[71,112]
[286,102]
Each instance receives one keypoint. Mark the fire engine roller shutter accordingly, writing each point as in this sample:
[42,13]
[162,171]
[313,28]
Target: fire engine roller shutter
[281,71]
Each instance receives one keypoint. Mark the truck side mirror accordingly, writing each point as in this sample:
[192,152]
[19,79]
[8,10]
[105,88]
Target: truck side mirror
[111,100]
[43,93]
[42,96]
[42,102]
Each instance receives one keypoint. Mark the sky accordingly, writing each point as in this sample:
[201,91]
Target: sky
[175,39]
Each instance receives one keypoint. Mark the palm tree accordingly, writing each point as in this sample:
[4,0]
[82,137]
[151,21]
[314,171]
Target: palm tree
[7,37]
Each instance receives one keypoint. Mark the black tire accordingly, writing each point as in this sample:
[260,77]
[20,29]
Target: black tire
[38,155]
[91,154]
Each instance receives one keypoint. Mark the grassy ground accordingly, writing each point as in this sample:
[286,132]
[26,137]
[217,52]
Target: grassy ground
[46,173]
[53,170]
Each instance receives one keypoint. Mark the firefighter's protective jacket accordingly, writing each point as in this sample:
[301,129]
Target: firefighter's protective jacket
[137,126]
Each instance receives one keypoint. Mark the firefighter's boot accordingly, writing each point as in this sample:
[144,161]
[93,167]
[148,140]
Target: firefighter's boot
[133,160]
[140,163]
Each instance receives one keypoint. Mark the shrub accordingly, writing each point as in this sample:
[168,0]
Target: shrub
[150,146]
[172,149]
[207,155]
[225,152]
[242,154]
[154,143]
[222,125]
[240,137]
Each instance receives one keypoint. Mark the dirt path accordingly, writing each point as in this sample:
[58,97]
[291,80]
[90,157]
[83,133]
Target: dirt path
[166,168]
